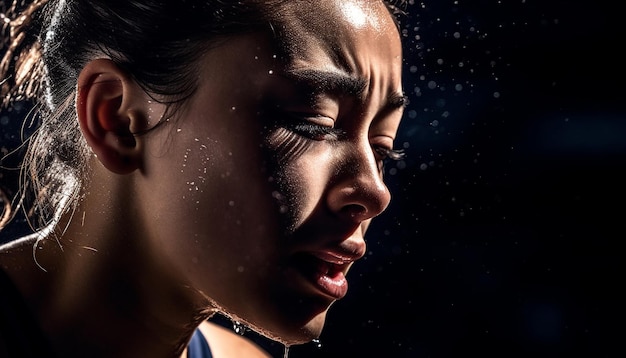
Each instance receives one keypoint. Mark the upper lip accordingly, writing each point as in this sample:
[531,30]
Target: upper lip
[337,245]
[343,254]
[334,257]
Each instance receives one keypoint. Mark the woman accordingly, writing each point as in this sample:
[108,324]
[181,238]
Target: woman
[201,157]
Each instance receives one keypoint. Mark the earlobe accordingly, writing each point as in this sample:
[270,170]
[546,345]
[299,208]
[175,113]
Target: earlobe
[110,107]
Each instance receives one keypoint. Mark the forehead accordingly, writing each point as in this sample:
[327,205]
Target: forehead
[329,15]
[337,31]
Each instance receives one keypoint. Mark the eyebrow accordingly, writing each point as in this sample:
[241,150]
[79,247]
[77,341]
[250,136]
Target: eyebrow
[327,81]
[340,83]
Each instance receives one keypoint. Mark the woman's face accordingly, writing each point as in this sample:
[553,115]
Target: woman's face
[270,175]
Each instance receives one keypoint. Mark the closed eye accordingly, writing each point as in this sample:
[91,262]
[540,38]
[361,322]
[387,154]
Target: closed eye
[316,131]
[309,127]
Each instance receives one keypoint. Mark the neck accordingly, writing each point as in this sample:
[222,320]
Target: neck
[104,290]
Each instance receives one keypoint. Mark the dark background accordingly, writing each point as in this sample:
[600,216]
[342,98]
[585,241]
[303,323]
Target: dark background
[503,237]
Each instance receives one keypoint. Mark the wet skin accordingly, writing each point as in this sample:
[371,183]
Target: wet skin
[270,175]
[253,199]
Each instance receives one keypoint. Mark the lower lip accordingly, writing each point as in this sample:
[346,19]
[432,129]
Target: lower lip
[335,286]
[329,282]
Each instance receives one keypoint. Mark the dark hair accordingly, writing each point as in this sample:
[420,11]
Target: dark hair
[154,41]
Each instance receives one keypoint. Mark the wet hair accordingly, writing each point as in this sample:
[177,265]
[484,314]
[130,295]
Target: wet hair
[157,42]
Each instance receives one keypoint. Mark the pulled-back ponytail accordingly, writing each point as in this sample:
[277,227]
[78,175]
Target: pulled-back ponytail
[21,67]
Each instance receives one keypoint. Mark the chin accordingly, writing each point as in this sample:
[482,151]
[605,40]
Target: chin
[310,331]
[294,333]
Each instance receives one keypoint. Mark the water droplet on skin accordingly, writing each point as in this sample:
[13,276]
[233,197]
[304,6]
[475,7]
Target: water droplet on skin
[239,328]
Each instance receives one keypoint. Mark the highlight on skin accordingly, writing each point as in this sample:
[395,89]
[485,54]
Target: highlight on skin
[266,172]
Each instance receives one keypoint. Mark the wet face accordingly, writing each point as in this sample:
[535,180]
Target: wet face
[272,172]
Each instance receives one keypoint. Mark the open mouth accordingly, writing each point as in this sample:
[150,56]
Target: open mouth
[324,272]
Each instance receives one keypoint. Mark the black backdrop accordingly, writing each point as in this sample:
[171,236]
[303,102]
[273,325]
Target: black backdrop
[503,238]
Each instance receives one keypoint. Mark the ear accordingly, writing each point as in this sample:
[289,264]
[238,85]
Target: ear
[111,107]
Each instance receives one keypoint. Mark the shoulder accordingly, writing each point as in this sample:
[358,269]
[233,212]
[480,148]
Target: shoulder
[226,343]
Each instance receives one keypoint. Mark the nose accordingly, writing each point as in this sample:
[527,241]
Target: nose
[358,192]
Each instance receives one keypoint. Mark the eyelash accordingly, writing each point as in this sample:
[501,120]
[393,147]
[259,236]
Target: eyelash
[319,132]
[316,131]
[391,154]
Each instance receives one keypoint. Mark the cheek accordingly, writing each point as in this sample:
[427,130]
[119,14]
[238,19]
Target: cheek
[196,168]
[222,188]
[297,168]
[225,212]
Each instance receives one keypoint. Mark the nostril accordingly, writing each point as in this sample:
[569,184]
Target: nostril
[355,211]
[358,192]
[359,202]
